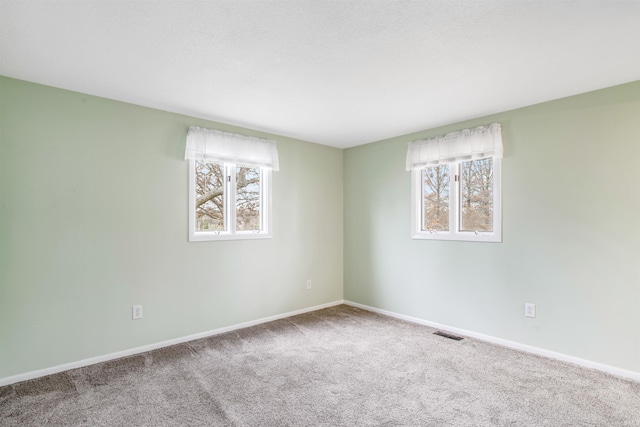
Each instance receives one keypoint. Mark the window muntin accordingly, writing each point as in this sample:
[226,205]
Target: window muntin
[473,200]
[228,201]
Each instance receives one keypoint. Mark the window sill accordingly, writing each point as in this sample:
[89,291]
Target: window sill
[465,237]
[208,237]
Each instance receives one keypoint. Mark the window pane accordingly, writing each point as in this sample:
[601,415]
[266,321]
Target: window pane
[248,200]
[209,196]
[476,195]
[435,198]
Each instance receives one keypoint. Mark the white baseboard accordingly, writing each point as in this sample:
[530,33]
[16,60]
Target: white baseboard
[506,343]
[98,359]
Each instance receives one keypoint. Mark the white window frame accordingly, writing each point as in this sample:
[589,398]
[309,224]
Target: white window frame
[230,232]
[454,232]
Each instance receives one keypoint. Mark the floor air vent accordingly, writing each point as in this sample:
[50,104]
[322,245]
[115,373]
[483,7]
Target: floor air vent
[446,335]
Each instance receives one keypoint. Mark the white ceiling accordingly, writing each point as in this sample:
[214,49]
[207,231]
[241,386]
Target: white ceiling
[339,73]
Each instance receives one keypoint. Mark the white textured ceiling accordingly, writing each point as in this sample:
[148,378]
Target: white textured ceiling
[339,73]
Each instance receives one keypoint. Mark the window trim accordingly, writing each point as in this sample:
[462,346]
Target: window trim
[229,214]
[454,232]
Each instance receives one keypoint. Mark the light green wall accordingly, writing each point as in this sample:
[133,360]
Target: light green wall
[571,233]
[93,219]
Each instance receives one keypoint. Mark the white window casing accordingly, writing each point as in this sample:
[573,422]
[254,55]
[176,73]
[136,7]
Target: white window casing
[453,149]
[231,151]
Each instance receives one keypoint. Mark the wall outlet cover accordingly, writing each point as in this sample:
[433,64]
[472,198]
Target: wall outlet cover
[529,310]
[137,312]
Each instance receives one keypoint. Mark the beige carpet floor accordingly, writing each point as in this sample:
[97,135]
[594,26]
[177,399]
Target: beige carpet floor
[335,367]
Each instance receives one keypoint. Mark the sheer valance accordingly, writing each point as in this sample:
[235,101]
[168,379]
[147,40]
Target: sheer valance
[468,144]
[216,146]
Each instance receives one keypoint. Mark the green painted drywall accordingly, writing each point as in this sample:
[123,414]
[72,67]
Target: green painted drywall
[571,233]
[93,219]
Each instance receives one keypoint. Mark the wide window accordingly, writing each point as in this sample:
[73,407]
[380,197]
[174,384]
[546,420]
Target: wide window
[456,185]
[229,185]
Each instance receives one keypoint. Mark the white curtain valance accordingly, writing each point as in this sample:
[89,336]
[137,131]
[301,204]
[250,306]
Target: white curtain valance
[468,144]
[218,146]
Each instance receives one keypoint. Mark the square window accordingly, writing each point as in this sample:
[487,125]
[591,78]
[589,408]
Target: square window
[228,201]
[457,201]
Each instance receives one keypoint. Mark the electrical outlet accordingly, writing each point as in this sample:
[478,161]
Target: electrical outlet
[137,312]
[529,310]
[309,284]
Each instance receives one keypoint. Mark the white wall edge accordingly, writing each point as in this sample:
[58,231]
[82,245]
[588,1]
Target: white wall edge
[506,343]
[117,355]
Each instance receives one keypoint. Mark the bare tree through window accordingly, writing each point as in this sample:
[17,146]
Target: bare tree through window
[476,194]
[248,209]
[435,185]
[209,196]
